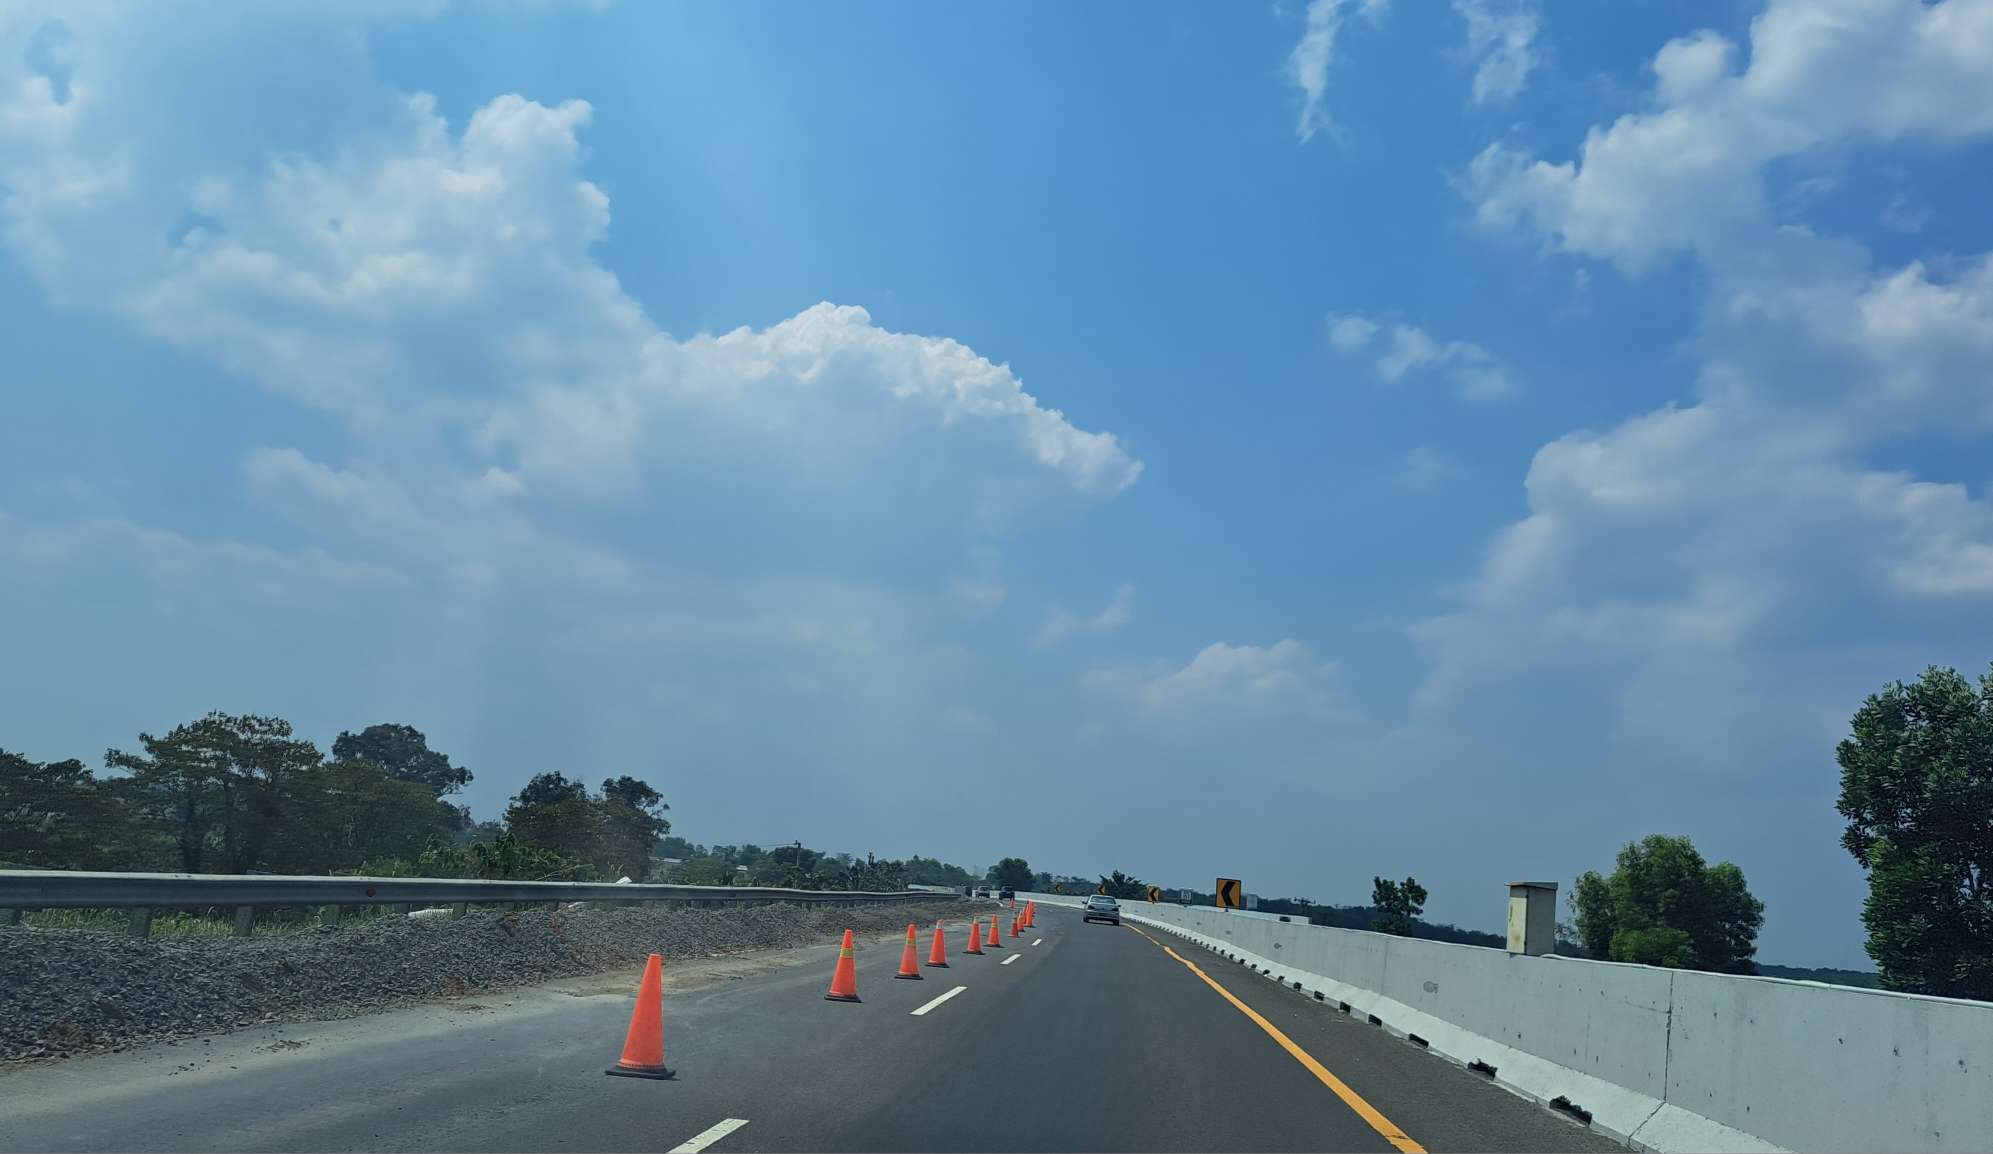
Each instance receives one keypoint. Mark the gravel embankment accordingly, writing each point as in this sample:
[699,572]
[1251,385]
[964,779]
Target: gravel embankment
[66,992]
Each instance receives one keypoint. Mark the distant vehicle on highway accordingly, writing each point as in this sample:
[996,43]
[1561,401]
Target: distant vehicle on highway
[1007,893]
[1101,908]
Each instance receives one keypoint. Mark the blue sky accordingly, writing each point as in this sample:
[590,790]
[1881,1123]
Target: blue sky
[1298,442]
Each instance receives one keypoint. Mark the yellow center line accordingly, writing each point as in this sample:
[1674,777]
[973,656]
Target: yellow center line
[1378,1122]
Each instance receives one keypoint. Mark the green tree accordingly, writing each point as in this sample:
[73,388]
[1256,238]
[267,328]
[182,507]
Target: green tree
[218,786]
[630,820]
[927,871]
[1397,904]
[502,857]
[481,831]
[339,814]
[746,854]
[1124,886]
[553,812]
[704,870]
[1917,792]
[1591,914]
[614,831]
[58,815]
[1664,906]
[403,753]
[875,874]
[792,866]
[1011,873]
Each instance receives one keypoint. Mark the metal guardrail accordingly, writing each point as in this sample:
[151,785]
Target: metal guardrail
[143,893]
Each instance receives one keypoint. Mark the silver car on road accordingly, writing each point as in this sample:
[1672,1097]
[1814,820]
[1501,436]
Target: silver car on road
[1101,908]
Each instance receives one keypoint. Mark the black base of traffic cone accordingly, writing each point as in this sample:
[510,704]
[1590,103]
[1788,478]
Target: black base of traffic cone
[841,998]
[656,1073]
[909,977]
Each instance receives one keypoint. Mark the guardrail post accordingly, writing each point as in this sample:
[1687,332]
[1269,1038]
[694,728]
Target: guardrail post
[245,921]
[139,924]
[459,910]
[328,916]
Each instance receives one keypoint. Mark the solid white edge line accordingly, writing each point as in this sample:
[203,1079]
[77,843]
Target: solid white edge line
[1035,941]
[1010,959]
[708,1136]
[938,1001]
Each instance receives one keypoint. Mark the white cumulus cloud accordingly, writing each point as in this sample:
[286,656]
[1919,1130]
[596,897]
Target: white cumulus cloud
[1313,55]
[1062,625]
[1224,684]
[1501,40]
[1425,468]
[533,476]
[1689,173]
[1736,564]
[1398,350]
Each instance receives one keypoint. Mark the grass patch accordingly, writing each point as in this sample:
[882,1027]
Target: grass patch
[213,923]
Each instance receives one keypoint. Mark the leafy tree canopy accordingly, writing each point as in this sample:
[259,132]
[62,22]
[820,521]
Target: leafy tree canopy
[221,785]
[615,830]
[1398,904]
[58,815]
[1664,906]
[403,753]
[1917,793]
[1124,886]
[1011,873]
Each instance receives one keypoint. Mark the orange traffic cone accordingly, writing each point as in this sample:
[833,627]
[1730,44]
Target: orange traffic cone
[643,1050]
[909,965]
[1031,914]
[938,956]
[975,937]
[844,981]
[995,941]
[1013,925]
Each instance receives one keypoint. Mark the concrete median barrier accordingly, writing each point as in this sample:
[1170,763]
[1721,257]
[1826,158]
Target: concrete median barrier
[1668,1060]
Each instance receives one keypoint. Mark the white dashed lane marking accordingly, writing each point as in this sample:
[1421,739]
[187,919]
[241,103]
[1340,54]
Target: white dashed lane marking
[1010,959]
[929,1006]
[1035,941]
[709,1135]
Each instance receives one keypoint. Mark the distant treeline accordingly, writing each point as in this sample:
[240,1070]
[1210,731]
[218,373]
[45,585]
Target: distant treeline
[242,793]
[230,794]
[1366,917]
[797,866]
[1363,918]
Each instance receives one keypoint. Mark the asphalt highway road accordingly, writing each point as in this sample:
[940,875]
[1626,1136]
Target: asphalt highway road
[1074,1037]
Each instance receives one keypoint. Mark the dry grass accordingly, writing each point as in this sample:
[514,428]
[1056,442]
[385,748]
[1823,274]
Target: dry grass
[178,924]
